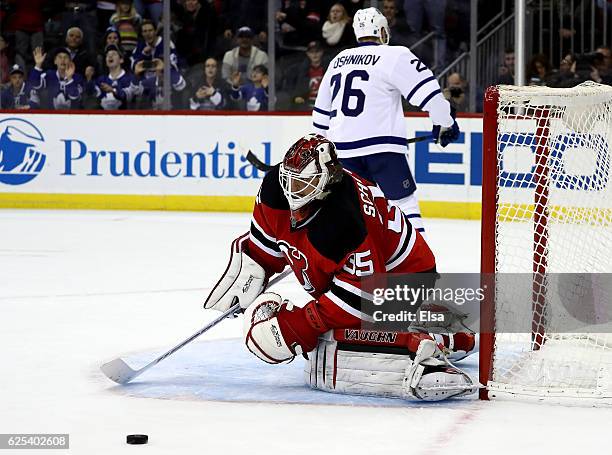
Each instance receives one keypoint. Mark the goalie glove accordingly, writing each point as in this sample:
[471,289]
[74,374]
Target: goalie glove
[243,279]
[445,135]
[276,331]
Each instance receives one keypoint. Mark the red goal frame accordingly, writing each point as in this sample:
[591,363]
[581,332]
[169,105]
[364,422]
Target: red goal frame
[488,235]
[488,259]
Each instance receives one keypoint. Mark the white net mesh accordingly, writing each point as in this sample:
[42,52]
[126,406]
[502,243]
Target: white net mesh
[553,236]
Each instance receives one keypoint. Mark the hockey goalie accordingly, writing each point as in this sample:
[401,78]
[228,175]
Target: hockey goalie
[334,228]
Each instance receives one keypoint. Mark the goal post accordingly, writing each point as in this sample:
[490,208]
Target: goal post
[546,244]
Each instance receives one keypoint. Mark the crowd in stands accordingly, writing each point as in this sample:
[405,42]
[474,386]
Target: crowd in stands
[109,54]
[572,70]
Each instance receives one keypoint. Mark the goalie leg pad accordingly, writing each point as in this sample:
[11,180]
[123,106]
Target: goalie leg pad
[349,370]
[352,372]
[243,279]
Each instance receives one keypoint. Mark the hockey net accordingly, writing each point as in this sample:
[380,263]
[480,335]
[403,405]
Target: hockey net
[547,243]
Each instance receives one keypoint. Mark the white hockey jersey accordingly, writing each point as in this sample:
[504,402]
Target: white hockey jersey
[359,105]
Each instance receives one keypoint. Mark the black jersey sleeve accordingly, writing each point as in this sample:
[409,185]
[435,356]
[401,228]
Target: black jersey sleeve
[339,228]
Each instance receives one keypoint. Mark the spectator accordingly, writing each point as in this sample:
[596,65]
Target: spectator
[152,87]
[538,70]
[127,22]
[151,47]
[435,10]
[506,70]
[111,37]
[81,58]
[308,74]
[337,30]
[18,94]
[243,58]
[82,15]
[64,87]
[5,61]
[211,91]
[582,68]
[254,92]
[400,32]
[116,89]
[565,76]
[150,9]
[605,68]
[196,38]
[585,68]
[27,23]
[456,92]
[299,22]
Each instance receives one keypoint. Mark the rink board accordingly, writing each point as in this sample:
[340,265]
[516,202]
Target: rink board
[153,161]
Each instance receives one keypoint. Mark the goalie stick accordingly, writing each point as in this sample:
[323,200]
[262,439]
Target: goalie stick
[120,372]
[261,166]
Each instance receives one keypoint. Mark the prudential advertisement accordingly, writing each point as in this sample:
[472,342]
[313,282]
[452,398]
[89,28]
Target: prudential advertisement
[193,162]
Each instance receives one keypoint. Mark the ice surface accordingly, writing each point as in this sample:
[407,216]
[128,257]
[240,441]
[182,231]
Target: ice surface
[80,288]
[223,370]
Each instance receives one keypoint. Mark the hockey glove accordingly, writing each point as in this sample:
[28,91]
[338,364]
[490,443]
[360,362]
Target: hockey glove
[276,330]
[443,135]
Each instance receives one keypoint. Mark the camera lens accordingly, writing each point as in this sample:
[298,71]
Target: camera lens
[456,91]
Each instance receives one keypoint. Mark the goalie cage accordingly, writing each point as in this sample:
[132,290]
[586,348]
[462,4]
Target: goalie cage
[546,241]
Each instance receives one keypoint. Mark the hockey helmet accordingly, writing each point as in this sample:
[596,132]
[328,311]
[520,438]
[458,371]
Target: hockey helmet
[370,22]
[309,167]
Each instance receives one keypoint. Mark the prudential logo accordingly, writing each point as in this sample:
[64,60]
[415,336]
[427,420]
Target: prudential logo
[20,157]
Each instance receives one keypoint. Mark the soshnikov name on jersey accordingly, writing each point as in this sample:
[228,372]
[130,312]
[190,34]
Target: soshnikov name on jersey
[367,59]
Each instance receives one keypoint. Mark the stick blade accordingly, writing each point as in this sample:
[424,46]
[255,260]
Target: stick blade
[119,371]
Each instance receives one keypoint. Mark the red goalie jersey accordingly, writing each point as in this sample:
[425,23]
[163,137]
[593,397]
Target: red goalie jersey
[353,233]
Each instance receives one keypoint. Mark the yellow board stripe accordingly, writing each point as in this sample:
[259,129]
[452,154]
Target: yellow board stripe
[565,214]
[429,209]
[126,202]
[455,210]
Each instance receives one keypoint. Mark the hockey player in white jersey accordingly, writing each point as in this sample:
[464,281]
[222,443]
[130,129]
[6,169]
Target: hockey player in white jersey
[359,108]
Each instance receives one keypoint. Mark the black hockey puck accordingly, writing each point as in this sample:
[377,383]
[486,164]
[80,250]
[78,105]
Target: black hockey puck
[137,439]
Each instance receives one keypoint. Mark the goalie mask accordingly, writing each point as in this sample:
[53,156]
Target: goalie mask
[309,167]
[370,22]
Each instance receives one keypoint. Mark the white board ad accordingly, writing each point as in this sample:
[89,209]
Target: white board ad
[194,155]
